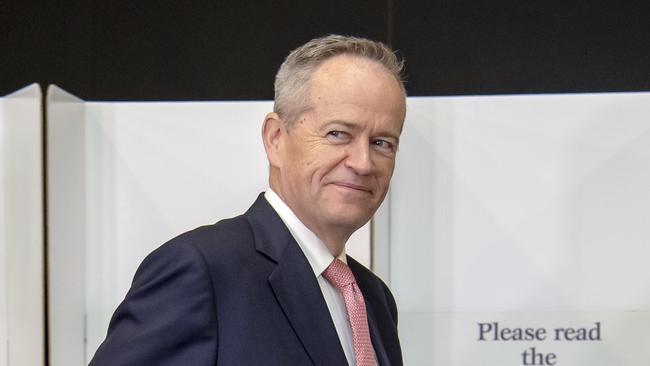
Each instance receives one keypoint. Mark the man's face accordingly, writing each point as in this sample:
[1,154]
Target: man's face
[338,157]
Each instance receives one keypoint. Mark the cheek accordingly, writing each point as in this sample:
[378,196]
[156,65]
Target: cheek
[326,162]
[385,166]
[307,173]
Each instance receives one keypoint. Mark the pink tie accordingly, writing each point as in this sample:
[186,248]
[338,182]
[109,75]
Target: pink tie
[340,275]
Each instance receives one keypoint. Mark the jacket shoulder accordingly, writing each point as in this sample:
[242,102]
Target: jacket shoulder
[226,236]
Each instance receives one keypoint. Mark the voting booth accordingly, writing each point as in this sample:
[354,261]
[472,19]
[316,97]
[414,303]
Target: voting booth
[515,232]
[22,335]
[126,177]
[523,215]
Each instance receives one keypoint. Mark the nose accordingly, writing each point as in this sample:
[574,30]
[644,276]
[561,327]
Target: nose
[358,157]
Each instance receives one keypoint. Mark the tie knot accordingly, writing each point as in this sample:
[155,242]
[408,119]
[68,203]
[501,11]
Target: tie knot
[339,274]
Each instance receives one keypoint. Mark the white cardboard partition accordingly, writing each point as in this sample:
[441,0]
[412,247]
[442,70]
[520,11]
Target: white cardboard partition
[155,170]
[529,211]
[126,177]
[67,227]
[21,229]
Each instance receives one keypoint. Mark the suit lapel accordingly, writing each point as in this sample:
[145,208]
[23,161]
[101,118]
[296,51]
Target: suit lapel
[298,293]
[371,301]
[377,344]
[295,286]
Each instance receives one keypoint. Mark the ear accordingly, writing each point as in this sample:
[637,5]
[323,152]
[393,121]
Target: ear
[272,131]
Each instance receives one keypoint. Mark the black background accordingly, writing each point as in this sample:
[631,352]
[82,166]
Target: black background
[230,50]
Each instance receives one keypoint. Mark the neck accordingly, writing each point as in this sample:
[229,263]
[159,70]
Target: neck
[334,243]
[334,238]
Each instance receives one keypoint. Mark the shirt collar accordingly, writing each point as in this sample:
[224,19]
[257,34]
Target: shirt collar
[318,256]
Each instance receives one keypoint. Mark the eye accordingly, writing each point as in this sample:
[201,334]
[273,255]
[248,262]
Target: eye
[383,145]
[338,136]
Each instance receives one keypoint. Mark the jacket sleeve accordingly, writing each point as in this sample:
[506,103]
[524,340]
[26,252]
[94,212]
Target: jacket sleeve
[168,316]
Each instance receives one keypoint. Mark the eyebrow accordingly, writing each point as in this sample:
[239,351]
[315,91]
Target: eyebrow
[356,127]
[347,124]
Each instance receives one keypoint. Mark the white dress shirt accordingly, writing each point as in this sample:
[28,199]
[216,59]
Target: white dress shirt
[319,258]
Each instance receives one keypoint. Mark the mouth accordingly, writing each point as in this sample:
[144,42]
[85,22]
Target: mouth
[352,186]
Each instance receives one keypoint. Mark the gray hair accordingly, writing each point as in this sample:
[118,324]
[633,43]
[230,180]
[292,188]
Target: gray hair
[292,79]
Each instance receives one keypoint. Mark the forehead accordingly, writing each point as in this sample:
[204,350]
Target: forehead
[351,82]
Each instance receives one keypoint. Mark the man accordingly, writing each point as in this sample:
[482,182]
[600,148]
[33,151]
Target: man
[274,286]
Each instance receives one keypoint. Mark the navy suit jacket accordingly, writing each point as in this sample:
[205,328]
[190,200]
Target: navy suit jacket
[239,292]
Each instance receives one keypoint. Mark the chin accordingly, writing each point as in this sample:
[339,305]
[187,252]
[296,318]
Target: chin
[349,217]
